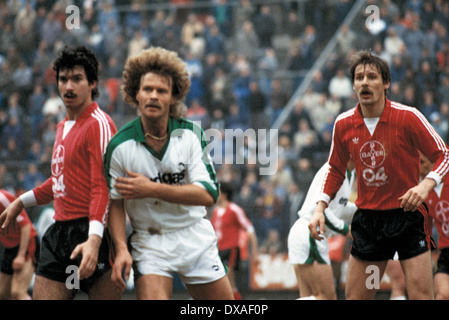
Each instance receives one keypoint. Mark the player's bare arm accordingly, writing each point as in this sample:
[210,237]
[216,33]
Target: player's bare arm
[316,225]
[415,196]
[117,230]
[137,186]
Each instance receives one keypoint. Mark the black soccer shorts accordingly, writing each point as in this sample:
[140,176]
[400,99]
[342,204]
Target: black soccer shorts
[58,242]
[378,235]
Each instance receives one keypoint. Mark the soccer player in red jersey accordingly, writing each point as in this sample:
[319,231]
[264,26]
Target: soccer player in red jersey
[20,254]
[229,220]
[385,139]
[438,203]
[77,187]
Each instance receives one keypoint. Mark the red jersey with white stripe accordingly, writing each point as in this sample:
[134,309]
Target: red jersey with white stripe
[438,203]
[11,237]
[228,222]
[387,163]
[77,183]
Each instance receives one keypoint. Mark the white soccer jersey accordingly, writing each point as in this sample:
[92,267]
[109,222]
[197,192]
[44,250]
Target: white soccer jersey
[340,209]
[183,160]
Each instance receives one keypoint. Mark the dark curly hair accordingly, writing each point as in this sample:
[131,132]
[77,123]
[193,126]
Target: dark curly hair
[78,56]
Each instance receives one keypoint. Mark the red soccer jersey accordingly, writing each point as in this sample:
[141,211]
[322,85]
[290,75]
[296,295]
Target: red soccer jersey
[387,163]
[228,222]
[11,238]
[77,183]
[438,203]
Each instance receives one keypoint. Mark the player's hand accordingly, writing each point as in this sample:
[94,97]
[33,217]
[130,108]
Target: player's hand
[18,263]
[415,196]
[316,224]
[89,251]
[9,216]
[134,186]
[121,269]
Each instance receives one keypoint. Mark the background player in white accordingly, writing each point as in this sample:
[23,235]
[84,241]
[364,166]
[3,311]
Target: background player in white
[391,216]
[160,174]
[310,258]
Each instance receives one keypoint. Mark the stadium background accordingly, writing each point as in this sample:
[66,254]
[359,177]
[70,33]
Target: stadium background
[275,64]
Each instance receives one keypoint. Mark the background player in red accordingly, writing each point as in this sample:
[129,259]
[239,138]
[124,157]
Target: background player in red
[385,139]
[438,203]
[229,220]
[20,255]
[77,188]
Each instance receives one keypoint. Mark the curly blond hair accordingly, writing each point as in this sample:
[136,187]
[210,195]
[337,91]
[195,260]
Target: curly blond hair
[164,63]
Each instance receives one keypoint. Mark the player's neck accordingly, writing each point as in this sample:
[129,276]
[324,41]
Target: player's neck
[74,113]
[373,110]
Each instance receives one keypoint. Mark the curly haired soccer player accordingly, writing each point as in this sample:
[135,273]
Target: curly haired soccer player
[160,174]
[385,139]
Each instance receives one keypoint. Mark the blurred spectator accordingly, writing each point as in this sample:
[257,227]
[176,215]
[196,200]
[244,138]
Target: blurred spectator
[267,65]
[257,103]
[13,130]
[440,121]
[278,98]
[137,43]
[195,70]
[265,26]
[345,40]
[308,43]
[272,243]
[191,27]
[244,11]
[293,25]
[107,12]
[303,173]
[157,27]
[215,42]
[51,29]
[222,11]
[340,85]
[426,78]
[35,105]
[246,42]
[15,109]
[197,113]
[442,94]
[54,106]
[13,151]
[33,177]
[303,135]
[299,113]
[35,153]
[220,91]
[428,107]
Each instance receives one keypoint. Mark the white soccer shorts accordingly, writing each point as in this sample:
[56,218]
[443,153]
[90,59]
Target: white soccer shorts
[192,252]
[302,248]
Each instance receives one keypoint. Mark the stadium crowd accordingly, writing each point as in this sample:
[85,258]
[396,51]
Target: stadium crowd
[245,58]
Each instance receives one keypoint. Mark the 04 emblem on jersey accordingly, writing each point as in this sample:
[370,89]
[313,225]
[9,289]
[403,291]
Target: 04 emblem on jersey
[372,155]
